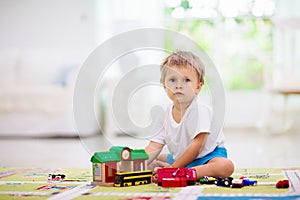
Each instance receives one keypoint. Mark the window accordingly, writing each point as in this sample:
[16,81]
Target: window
[97,170]
[237,35]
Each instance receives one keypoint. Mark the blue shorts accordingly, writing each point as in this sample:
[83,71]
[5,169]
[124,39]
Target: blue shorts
[218,152]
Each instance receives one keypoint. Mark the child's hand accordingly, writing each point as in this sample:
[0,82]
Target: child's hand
[154,174]
[160,164]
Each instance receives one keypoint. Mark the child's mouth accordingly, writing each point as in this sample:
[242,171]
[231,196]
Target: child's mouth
[178,93]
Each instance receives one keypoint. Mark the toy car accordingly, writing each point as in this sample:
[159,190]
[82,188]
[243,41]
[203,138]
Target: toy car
[226,182]
[247,181]
[237,183]
[283,184]
[168,175]
[56,177]
[207,180]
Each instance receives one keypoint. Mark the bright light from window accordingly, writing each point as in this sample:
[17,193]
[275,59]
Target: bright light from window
[203,3]
[263,7]
[243,27]
[270,8]
[204,13]
[173,3]
[178,13]
[227,8]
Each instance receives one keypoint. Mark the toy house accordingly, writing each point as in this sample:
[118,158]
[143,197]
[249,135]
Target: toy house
[117,159]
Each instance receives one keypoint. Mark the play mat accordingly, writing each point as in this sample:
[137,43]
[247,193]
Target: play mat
[32,183]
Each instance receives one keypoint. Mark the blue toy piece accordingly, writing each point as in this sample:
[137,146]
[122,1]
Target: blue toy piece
[248,182]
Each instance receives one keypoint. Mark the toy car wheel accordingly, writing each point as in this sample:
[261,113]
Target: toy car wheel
[226,183]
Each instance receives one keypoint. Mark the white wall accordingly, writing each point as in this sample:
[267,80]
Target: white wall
[42,44]
[115,16]
[47,24]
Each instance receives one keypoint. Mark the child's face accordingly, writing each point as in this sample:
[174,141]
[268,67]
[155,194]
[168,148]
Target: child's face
[182,84]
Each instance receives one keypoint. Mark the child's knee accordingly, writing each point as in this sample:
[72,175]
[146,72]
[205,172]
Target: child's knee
[228,167]
[225,167]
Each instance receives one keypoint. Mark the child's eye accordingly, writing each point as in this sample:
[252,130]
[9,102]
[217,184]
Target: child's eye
[187,80]
[172,80]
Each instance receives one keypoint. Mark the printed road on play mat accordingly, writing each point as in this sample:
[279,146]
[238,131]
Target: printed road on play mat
[32,183]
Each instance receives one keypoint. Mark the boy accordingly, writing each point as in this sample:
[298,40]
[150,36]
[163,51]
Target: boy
[186,126]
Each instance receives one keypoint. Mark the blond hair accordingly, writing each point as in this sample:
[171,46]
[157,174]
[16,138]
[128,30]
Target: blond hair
[183,59]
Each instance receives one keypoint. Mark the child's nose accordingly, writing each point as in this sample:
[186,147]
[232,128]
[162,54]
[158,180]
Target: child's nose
[179,85]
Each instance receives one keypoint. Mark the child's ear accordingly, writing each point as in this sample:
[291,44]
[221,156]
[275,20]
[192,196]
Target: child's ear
[199,86]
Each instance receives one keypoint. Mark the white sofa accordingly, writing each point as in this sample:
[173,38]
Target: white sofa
[36,88]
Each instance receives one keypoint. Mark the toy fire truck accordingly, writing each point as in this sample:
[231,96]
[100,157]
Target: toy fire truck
[176,177]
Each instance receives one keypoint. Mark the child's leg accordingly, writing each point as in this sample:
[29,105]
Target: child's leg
[216,167]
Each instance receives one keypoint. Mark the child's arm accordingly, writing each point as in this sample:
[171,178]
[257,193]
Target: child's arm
[191,152]
[153,149]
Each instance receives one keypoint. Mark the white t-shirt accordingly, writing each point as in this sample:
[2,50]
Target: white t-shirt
[178,136]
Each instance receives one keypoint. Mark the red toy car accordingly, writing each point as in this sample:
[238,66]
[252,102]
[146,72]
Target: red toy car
[176,177]
[237,183]
[283,184]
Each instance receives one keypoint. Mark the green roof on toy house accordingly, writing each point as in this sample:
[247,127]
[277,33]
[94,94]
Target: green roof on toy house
[114,155]
[105,156]
[118,149]
[136,154]
[139,154]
